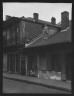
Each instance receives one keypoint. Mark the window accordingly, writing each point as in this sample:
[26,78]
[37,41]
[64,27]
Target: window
[52,31]
[8,34]
[16,30]
[45,32]
[4,37]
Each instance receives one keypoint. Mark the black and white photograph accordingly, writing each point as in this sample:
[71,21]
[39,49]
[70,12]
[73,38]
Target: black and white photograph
[37,48]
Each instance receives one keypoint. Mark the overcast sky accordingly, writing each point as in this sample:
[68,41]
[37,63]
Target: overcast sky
[45,10]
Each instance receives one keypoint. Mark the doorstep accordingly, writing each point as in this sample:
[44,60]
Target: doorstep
[60,85]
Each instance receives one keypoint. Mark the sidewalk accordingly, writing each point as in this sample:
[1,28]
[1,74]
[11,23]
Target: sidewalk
[60,85]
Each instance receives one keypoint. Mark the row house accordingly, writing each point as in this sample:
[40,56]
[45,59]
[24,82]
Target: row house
[16,33]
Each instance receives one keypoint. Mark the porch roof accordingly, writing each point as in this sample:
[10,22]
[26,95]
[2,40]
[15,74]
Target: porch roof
[59,37]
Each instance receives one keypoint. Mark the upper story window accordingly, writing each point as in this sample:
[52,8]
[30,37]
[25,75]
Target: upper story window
[45,32]
[13,35]
[52,31]
[4,37]
[8,34]
[17,36]
[4,34]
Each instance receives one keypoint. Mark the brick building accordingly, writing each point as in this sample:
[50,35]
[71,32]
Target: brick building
[17,32]
[36,47]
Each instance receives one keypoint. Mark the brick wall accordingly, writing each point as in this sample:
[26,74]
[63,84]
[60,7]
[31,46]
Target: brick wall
[33,29]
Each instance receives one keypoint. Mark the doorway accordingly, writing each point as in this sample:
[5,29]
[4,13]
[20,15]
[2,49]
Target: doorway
[23,68]
[68,66]
[32,65]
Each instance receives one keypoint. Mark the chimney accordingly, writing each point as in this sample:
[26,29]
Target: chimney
[35,16]
[64,20]
[8,17]
[53,20]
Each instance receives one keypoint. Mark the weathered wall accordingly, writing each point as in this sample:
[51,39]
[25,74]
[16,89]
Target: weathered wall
[33,29]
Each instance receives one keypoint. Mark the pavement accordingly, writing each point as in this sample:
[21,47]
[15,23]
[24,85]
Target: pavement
[56,84]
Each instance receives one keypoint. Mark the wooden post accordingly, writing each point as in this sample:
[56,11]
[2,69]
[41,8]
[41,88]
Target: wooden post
[20,64]
[15,63]
[26,65]
[37,64]
[9,63]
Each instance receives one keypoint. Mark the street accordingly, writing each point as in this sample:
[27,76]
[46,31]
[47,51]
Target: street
[11,86]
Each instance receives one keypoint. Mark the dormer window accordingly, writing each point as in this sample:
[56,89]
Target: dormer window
[48,31]
[45,32]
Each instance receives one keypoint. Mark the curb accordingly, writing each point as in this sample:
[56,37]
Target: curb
[37,83]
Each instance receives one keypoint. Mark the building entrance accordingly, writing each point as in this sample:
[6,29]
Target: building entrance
[23,68]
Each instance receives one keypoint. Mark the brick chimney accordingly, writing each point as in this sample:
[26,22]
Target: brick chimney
[53,20]
[35,16]
[64,20]
[8,17]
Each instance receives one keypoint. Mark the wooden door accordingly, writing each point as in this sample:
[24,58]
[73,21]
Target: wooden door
[68,66]
[42,63]
[23,69]
[12,63]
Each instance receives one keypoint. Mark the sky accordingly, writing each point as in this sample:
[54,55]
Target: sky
[45,10]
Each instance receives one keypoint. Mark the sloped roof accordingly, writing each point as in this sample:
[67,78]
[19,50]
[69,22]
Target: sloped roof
[13,20]
[59,37]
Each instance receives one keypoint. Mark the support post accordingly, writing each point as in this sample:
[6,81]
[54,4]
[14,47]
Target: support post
[26,65]
[37,64]
[20,64]
[9,65]
[15,63]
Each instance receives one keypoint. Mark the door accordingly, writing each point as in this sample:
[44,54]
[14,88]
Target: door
[43,62]
[12,63]
[68,66]
[23,69]
[32,65]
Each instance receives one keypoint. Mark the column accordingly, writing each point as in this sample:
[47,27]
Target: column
[15,63]
[26,65]
[20,64]
[62,61]
[9,63]
[37,64]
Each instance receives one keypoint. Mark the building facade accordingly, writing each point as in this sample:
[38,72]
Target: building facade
[38,48]
[17,32]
